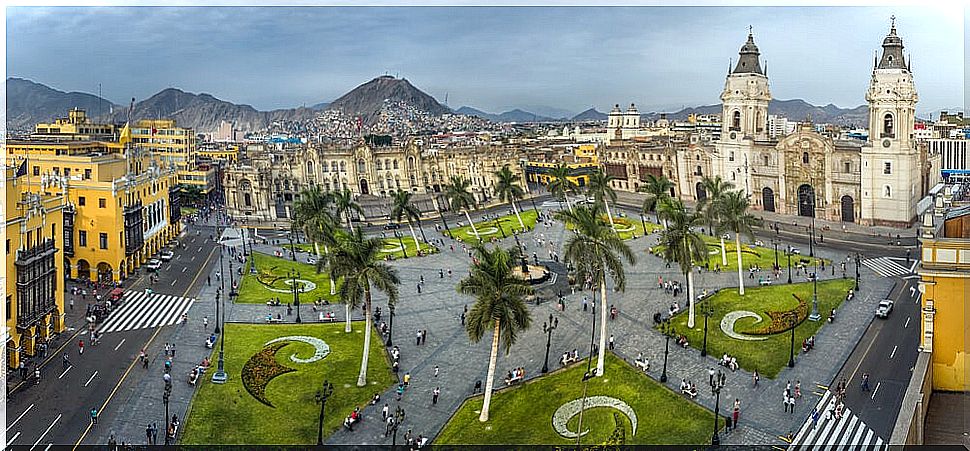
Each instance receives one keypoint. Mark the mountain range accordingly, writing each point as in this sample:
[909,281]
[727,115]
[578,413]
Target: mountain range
[368,99]
[794,109]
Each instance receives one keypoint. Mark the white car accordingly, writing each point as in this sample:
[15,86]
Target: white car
[884,308]
[153,264]
[794,251]
[166,255]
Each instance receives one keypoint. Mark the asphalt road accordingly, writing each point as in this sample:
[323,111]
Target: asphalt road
[887,351]
[58,409]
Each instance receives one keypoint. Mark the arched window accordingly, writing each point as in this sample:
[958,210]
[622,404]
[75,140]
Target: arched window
[767,160]
[410,163]
[343,168]
[804,157]
[736,121]
[377,165]
[698,171]
[395,164]
[361,166]
[888,191]
[309,167]
[887,125]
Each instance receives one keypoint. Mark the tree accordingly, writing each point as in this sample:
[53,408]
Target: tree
[735,217]
[657,189]
[312,212]
[357,259]
[401,206]
[461,199]
[681,244]
[560,185]
[595,251]
[344,203]
[710,207]
[507,190]
[599,187]
[499,307]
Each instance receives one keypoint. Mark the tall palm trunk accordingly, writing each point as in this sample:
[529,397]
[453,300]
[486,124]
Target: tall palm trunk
[516,210]
[316,248]
[350,222]
[601,360]
[474,229]
[490,379]
[333,285]
[347,329]
[737,243]
[609,215]
[362,378]
[569,206]
[417,244]
[723,253]
[690,297]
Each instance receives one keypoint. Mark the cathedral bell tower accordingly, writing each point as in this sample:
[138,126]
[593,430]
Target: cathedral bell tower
[890,158]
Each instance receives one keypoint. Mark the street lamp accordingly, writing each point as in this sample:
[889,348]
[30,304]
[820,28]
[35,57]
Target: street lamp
[165,397]
[791,354]
[296,294]
[789,263]
[232,282]
[857,257]
[252,253]
[292,247]
[220,376]
[668,330]
[321,397]
[716,385]
[218,290]
[644,224]
[398,419]
[707,314]
[390,327]
[548,328]
[815,316]
[774,242]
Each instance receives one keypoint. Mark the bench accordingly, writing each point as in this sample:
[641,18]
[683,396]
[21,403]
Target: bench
[642,364]
[513,380]
[568,360]
[764,282]
[274,320]
[689,393]
[328,319]
[349,422]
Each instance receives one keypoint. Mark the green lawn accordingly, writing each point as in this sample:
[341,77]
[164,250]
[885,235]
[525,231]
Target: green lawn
[272,273]
[629,227]
[229,414]
[763,257]
[391,246]
[523,414]
[496,228]
[768,356]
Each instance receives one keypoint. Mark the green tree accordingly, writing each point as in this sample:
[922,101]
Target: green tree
[681,243]
[499,307]
[507,189]
[461,199]
[312,212]
[560,185]
[657,189]
[401,206]
[357,260]
[736,218]
[344,204]
[599,187]
[710,207]
[597,253]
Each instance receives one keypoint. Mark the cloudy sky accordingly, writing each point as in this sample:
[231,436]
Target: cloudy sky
[492,58]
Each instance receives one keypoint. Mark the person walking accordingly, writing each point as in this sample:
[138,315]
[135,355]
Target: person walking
[585,303]
[710,378]
[865,381]
[755,377]
[205,323]
[407,379]
[436,371]
[72,304]
[173,350]
[434,395]
[80,346]
[736,413]
[167,348]
[612,343]
[785,401]
[36,375]
[463,319]
[418,339]
[419,287]
[385,411]
[94,415]
[67,361]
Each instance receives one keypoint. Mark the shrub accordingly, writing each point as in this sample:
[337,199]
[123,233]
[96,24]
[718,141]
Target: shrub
[260,369]
[780,319]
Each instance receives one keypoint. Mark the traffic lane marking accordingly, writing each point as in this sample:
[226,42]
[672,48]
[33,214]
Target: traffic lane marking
[65,371]
[45,432]
[14,438]
[875,390]
[90,378]
[893,354]
[21,416]
[120,343]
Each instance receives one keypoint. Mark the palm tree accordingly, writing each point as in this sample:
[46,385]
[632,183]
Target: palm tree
[681,244]
[461,199]
[402,207]
[657,189]
[507,190]
[597,252]
[499,306]
[358,261]
[735,217]
[599,187]
[344,203]
[710,206]
[312,213]
[560,185]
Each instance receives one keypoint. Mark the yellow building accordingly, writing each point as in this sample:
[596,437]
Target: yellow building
[174,145]
[122,206]
[76,126]
[945,285]
[214,152]
[33,226]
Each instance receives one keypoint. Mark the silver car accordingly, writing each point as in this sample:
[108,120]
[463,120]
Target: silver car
[884,308]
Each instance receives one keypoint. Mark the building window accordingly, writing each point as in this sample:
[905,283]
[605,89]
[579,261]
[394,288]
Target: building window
[82,238]
[698,171]
[848,167]
[9,305]
[887,126]
[736,122]
[81,201]
[87,174]
[804,157]
[247,199]
[67,172]
[103,240]
[767,160]
[36,170]
[888,192]
[887,168]
[731,156]
[102,202]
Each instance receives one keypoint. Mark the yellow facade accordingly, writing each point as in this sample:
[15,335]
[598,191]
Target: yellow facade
[539,172]
[104,186]
[174,145]
[945,286]
[228,153]
[76,126]
[34,277]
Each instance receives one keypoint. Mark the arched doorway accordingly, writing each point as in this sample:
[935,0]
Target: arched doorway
[363,187]
[848,209]
[701,193]
[83,269]
[806,201]
[104,272]
[768,199]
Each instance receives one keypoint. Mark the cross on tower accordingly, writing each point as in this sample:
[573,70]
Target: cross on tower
[892,18]
[750,28]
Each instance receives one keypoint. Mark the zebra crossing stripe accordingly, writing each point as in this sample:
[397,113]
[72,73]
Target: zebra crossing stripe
[131,301]
[847,432]
[158,305]
[885,267]
[143,310]
[136,311]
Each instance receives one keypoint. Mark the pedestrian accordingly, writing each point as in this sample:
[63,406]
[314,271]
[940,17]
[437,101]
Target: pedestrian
[72,304]
[208,280]
[462,318]
[585,303]
[612,343]
[167,349]
[478,386]
[441,274]
[755,377]
[710,377]
[80,346]
[798,389]
[434,395]
[424,336]
[814,417]
[737,412]
[419,287]
[418,339]
[94,415]
[36,375]
[400,391]
[785,401]
[791,404]
[436,371]
[407,379]
[205,322]
[23,370]
[865,382]
[173,350]
[67,361]
[385,411]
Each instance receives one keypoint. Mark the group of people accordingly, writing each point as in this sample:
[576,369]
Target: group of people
[569,357]
[688,388]
[729,361]
[514,375]
[354,418]
[808,344]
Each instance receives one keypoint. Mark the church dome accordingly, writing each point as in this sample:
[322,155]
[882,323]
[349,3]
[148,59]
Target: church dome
[748,62]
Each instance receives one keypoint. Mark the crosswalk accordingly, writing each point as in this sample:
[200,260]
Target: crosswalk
[848,432]
[886,267]
[143,310]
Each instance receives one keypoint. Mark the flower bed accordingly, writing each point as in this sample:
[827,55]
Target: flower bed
[779,319]
[261,368]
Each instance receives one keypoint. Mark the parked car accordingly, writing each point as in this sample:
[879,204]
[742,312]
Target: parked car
[884,308]
[794,251]
[392,226]
[153,264]
[166,255]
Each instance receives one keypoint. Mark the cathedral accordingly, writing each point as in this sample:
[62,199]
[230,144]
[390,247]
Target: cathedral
[873,182]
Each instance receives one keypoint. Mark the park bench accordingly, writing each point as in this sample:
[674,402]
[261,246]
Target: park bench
[513,380]
[327,319]
[274,320]
[568,359]
[642,364]
[764,282]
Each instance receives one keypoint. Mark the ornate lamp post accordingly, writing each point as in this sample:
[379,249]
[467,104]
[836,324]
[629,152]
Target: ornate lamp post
[716,385]
[292,247]
[252,254]
[789,263]
[774,243]
[296,294]
[668,330]
[548,328]
[815,316]
[857,257]
[791,353]
[390,327]
[321,397]
[165,397]
[232,282]
[220,376]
